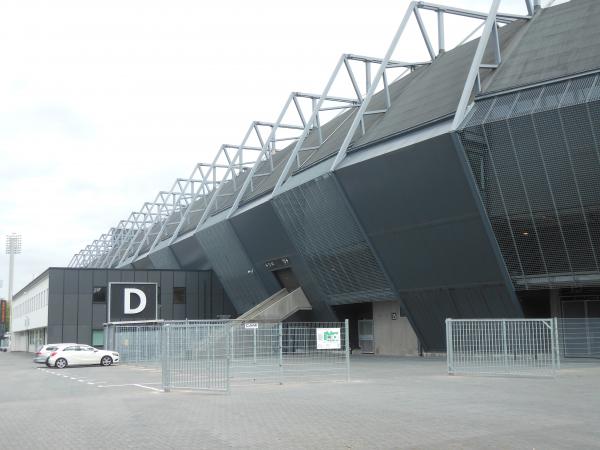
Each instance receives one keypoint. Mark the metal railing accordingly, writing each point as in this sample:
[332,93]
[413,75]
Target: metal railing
[579,338]
[502,346]
[211,355]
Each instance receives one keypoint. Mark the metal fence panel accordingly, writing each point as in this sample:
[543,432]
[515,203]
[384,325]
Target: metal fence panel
[211,355]
[137,343]
[195,357]
[502,346]
[579,338]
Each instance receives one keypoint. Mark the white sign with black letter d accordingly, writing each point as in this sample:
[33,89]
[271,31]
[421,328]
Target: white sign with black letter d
[132,301]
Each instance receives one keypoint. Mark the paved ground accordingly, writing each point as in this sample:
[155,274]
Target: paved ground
[391,403]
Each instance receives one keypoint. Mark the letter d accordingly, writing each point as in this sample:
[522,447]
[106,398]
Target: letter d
[140,294]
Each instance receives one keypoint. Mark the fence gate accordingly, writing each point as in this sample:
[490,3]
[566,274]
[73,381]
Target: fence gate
[502,346]
[195,356]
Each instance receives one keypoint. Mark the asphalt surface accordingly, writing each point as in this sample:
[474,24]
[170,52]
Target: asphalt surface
[390,403]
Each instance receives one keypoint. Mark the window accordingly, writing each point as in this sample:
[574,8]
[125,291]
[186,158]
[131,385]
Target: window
[71,349]
[179,296]
[98,338]
[99,295]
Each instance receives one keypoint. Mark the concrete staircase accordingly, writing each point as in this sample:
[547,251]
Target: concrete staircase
[279,306]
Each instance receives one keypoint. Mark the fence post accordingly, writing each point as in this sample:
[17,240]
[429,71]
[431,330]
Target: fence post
[347,344]
[449,348]
[280,353]
[504,346]
[556,341]
[166,376]
[232,343]
[254,344]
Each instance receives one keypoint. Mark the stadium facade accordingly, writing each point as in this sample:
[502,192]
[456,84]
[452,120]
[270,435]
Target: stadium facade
[467,187]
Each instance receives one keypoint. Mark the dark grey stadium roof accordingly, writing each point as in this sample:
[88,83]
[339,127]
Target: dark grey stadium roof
[558,42]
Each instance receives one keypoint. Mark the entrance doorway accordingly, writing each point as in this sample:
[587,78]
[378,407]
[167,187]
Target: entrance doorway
[354,312]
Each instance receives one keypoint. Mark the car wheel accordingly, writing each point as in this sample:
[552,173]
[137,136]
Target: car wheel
[61,363]
[106,361]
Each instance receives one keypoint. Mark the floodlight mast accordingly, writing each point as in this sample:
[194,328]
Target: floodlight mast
[13,247]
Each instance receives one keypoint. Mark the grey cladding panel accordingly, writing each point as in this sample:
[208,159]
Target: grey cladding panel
[85,281]
[55,297]
[99,315]
[429,309]
[166,295]
[425,224]
[189,254]
[70,307]
[264,238]
[232,266]
[423,220]
[323,229]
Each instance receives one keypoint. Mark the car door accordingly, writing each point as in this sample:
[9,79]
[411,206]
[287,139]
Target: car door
[71,353]
[88,355]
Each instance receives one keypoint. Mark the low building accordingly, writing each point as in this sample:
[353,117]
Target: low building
[71,305]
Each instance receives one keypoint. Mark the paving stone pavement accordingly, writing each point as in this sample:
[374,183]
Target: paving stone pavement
[390,403]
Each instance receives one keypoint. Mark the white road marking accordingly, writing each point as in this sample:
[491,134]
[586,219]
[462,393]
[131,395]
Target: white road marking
[133,384]
[148,387]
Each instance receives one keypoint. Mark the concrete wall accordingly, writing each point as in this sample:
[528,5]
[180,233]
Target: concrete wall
[394,337]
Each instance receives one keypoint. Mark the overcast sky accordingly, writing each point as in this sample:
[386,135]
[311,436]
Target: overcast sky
[103,104]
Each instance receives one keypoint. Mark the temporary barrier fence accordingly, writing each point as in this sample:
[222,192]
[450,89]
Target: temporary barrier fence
[213,354]
[579,338]
[136,342]
[502,346]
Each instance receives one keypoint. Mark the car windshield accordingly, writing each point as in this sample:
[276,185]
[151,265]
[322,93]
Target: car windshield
[51,348]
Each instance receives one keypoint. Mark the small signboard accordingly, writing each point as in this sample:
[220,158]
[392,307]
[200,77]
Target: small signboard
[251,326]
[329,338]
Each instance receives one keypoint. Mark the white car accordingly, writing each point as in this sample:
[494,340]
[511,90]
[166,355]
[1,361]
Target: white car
[44,351]
[80,354]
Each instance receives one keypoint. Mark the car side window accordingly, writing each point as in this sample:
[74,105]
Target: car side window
[73,348]
[87,349]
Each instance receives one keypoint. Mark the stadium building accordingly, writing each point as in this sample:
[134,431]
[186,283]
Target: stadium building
[465,185]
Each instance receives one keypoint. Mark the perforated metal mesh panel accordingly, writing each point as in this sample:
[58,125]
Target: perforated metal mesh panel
[536,159]
[325,232]
[232,266]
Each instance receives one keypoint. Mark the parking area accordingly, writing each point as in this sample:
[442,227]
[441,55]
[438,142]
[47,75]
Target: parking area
[390,403]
